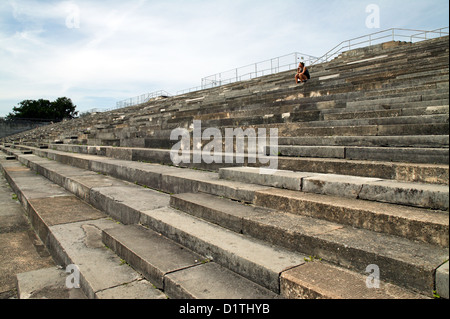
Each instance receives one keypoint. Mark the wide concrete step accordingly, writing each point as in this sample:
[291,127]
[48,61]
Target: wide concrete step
[71,230]
[374,112]
[75,238]
[254,259]
[417,141]
[93,157]
[176,270]
[334,113]
[298,130]
[46,283]
[345,246]
[132,204]
[400,120]
[426,196]
[393,154]
[412,141]
[309,118]
[361,214]
[298,113]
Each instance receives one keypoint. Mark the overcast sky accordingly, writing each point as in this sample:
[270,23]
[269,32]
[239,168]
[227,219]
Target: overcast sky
[100,52]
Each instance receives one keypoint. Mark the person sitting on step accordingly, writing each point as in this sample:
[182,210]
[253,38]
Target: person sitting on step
[302,73]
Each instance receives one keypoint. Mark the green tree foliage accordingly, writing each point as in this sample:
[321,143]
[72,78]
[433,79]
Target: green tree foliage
[61,108]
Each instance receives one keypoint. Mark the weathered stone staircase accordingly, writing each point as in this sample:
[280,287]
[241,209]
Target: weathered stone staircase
[361,188]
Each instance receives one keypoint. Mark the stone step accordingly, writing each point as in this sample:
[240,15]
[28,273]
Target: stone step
[340,114]
[298,130]
[421,173]
[368,111]
[163,178]
[311,118]
[91,157]
[438,99]
[46,283]
[386,154]
[326,90]
[76,238]
[127,205]
[358,213]
[401,120]
[418,141]
[131,204]
[176,270]
[346,246]
[329,146]
[71,230]
[388,191]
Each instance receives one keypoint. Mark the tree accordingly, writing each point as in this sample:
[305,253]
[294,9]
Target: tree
[63,108]
[42,109]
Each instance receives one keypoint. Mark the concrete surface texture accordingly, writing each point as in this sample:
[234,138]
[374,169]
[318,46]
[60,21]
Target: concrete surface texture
[357,209]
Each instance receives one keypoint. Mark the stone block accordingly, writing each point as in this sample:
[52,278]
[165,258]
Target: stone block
[280,179]
[211,281]
[413,194]
[337,185]
[46,283]
[312,151]
[442,287]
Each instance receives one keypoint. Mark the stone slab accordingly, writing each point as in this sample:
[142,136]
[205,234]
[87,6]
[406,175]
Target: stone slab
[422,173]
[46,283]
[12,215]
[81,244]
[427,173]
[19,254]
[280,179]
[24,183]
[150,253]
[211,281]
[338,185]
[409,222]
[312,151]
[374,189]
[320,238]
[442,287]
[397,154]
[246,256]
[317,280]
[134,172]
[140,289]
[414,194]
[125,202]
[198,181]
[64,209]
[270,225]
[425,141]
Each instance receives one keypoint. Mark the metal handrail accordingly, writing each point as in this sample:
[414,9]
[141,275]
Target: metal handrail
[143,98]
[252,71]
[347,44]
[255,70]
[220,79]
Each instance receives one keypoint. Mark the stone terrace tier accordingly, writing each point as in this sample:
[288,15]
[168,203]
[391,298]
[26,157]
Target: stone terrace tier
[360,190]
